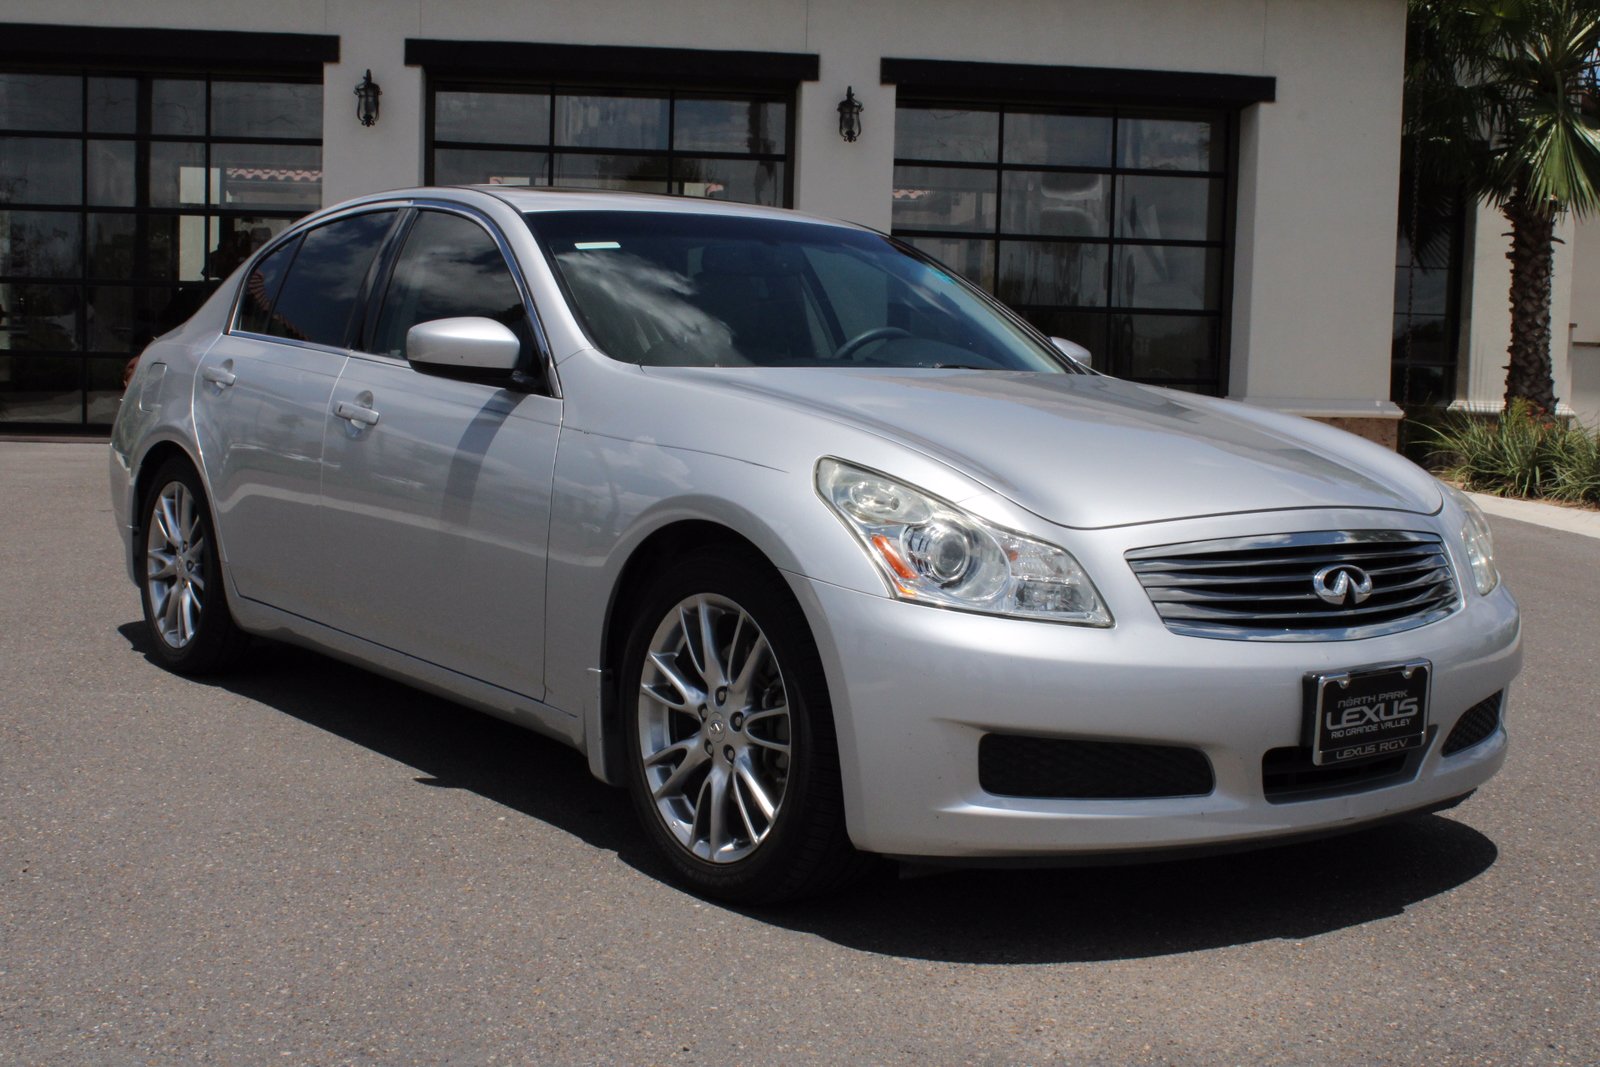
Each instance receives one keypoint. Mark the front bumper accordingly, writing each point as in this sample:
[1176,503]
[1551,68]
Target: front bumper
[914,689]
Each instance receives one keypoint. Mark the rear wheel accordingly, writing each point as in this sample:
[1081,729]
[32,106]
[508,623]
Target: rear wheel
[185,608]
[733,763]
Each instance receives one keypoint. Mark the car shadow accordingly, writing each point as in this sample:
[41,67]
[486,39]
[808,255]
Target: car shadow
[1085,914]
[450,747]
[1077,914]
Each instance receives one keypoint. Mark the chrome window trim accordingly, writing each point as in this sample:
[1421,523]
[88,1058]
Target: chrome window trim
[295,232]
[541,339]
[552,384]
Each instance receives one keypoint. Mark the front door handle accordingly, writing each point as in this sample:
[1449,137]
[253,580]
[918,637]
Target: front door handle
[220,374]
[357,413]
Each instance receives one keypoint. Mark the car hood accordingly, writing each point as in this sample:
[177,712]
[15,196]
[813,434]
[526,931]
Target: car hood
[1089,451]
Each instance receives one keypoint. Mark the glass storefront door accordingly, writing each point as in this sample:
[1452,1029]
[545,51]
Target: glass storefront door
[1108,226]
[125,198]
[725,146]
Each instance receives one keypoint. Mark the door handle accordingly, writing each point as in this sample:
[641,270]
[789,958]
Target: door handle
[356,413]
[219,374]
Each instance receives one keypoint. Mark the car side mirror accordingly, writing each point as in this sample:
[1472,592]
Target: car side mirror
[1073,351]
[471,344]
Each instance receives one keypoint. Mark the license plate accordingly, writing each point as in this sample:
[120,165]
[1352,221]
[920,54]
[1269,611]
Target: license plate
[1367,714]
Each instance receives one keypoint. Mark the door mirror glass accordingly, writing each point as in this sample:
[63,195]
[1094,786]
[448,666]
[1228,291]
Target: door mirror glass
[471,343]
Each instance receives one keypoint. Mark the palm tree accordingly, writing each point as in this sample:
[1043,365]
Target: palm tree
[1500,103]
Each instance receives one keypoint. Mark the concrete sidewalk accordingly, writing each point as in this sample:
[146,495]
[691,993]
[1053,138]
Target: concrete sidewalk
[1585,521]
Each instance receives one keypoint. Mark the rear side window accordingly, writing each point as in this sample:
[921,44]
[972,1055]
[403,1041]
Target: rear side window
[449,267]
[261,288]
[318,298]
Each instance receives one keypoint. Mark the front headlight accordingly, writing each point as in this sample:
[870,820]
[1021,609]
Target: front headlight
[933,552]
[1479,542]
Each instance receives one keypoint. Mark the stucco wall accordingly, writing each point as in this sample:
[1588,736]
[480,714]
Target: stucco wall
[1318,189]
[1583,353]
[1318,172]
[1585,394]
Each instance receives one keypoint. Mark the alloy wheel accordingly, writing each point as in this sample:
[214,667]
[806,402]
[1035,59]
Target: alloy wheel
[175,553]
[714,729]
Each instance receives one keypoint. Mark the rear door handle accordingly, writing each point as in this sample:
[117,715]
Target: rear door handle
[219,374]
[356,413]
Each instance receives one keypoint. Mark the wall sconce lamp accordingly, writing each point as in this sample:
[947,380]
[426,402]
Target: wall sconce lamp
[367,94]
[850,115]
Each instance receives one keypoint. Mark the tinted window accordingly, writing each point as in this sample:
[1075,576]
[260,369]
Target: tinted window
[320,293]
[261,287]
[450,267]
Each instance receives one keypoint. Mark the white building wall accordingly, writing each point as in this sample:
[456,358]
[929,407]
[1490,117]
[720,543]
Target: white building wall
[1318,168]
[1583,352]
[1318,192]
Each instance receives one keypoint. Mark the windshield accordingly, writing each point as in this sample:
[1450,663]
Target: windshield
[689,290]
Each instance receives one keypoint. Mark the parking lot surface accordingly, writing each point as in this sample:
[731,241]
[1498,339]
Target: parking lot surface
[305,863]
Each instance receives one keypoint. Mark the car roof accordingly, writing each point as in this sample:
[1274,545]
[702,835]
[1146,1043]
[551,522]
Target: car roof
[538,200]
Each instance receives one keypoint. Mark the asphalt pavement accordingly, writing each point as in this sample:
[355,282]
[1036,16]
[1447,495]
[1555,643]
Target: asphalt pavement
[303,863]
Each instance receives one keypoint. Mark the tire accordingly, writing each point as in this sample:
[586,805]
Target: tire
[732,760]
[185,607]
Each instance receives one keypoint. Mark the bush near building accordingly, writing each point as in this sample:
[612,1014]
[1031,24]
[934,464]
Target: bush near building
[1519,452]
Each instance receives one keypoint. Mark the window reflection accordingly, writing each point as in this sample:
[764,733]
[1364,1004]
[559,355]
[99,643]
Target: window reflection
[111,177]
[178,107]
[266,109]
[97,258]
[729,126]
[709,145]
[112,103]
[1078,218]
[1057,203]
[474,166]
[947,134]
[319,294]
[41,102]
[1166,144]
[631,174]
[943,198]
[40,170]
[1058,140]
[611,121]
[450,268]
[40,244]
[1051,272]
[495,118]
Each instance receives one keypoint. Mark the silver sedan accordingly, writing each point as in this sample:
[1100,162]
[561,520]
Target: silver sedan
[813,547]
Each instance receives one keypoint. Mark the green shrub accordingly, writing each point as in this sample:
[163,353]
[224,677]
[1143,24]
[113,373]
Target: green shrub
[1518,453]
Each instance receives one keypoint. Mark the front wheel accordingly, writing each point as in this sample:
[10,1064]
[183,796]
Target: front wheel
[733,763]
[185,608]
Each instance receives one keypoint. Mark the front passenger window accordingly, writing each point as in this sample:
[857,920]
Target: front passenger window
[449,267]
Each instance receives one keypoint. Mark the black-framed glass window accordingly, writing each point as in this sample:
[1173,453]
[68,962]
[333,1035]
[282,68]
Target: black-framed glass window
[1427,296]
[719,145]
[125,198]
[1107,226]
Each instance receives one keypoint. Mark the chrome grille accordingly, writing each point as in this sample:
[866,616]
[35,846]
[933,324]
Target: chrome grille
[1264,588]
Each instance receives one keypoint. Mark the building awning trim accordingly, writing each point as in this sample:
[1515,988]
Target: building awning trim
[965,80]
[538,61]
[137,46]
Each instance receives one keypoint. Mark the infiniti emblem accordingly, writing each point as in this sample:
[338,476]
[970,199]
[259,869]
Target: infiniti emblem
[1342,585]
